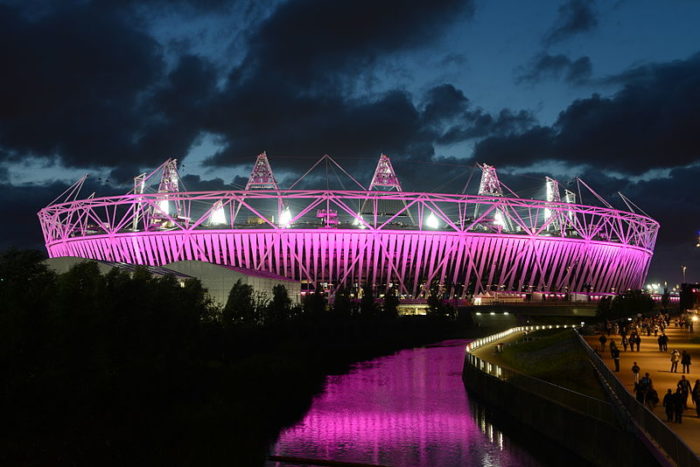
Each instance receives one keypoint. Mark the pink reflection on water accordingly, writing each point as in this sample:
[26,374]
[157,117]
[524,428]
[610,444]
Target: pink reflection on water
[407,409]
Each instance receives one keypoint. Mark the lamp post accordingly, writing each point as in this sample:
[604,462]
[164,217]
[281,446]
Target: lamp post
[683,268]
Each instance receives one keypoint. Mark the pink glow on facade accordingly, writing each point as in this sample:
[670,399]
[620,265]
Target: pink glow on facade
[573,248]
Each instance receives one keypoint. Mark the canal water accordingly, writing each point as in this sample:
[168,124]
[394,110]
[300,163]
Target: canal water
[407,409]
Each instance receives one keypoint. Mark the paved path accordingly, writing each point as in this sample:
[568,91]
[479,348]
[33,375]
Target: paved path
[658,365]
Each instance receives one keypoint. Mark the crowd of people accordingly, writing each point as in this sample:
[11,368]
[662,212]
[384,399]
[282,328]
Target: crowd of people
[630,333]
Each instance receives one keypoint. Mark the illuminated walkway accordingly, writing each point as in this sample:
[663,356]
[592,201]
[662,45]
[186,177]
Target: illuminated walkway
[658,365]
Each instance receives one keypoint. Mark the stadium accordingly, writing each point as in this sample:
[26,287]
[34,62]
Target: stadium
[468,244]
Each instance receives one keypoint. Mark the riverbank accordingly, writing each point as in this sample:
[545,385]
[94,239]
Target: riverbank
[588,426]
[224,410]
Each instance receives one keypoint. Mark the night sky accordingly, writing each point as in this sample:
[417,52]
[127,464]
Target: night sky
[608,91]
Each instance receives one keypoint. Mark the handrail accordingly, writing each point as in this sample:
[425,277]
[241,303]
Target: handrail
[582,403]
[644,421]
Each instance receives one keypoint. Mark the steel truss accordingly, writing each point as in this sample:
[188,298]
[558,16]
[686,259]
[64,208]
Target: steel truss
[550,246]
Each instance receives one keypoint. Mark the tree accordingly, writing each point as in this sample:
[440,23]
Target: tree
[391,304]
[630,303]
[240,306]
[367,306]
[437,308]
[279,307]
[314,304]
[342,306]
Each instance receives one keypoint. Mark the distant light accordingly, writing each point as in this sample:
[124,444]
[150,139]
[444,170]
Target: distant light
[218,215]
[499,220]
[493,313]
[432,221]
[505,312]
[164,206]
[286,218]
[358,221]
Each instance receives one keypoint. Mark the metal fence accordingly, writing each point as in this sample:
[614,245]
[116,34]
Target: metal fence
[590,406]
[644,419]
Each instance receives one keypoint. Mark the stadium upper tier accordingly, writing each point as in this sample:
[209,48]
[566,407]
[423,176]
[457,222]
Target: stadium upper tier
[467,243]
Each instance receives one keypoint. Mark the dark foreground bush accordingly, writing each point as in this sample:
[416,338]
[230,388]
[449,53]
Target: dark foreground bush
[135,370]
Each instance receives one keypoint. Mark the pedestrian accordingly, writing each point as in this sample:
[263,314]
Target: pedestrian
[685,362]
[624,343]
[684,387]
[602,340]
[615,354]
[638,341]
[675,358]
[665,342]
[660,340]
[669,405]
[678,406]
[635,372]
[643,388]
[696,397]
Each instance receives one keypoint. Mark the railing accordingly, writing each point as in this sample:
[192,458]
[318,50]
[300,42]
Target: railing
[641,417]
[475,344]
[590,406]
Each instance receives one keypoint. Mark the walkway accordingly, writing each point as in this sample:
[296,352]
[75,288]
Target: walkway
[658,365]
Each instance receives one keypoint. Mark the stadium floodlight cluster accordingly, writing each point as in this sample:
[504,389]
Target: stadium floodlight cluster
[383,236]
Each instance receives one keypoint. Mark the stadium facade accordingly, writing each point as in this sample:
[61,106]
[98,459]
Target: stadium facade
[379,235]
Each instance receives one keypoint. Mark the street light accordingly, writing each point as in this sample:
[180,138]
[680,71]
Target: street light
[684,268]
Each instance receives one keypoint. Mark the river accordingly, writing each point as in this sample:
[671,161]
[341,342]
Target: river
[407,409]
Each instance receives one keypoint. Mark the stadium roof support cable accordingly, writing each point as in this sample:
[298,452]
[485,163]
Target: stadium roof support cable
[328,158]
[71,193]
[593,192]
[630,205]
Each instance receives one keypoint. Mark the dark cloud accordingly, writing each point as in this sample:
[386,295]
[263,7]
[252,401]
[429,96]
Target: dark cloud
[574,17]
[546,66]
[292,94]
[652,122]
[311,42]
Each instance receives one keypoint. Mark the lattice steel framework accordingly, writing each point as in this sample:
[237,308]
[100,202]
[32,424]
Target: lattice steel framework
[542,245]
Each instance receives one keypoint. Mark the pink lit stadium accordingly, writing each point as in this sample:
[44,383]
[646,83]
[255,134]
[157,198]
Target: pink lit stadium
[378,235]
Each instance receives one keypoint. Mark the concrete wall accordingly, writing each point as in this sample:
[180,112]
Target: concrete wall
[596,441]
[219,280]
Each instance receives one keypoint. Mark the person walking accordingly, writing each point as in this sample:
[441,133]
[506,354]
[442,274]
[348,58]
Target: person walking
[678,406]
[615,354]
[696,397]
[684,387]
[675,358]
[643,388]
[669,405]
[635,372]
[602,341]
[685,362]
[660,340]
[624,342]
[664,347]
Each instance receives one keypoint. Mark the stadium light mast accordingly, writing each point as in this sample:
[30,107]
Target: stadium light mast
[261,177]
[169,183]
[552,195]
[570,198]
[489,184]
[384,175]
[385,179]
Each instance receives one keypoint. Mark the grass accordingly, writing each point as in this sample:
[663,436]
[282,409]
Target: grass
[557,357]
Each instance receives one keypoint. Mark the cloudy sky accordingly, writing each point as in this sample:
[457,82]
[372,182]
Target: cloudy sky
[608,91]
